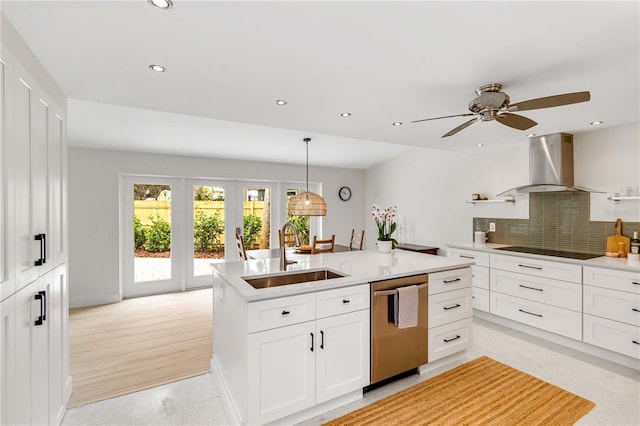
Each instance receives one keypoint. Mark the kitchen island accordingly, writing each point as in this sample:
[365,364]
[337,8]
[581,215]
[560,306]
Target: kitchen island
[275,351]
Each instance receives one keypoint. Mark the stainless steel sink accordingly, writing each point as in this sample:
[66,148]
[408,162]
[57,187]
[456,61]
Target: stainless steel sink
[292,278]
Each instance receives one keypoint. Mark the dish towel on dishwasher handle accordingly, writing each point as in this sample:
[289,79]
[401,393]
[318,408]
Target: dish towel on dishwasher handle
[407,307]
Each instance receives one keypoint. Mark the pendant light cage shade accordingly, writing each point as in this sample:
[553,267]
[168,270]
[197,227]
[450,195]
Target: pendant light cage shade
[307,203]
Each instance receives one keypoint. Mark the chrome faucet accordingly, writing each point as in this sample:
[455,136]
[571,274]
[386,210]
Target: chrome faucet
[283,248]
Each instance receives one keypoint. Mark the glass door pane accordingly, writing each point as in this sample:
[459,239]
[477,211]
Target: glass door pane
[302,223]
[152,232]
[208,227]
[256,217]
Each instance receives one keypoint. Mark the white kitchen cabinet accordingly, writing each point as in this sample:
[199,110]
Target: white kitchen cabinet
[36,385]
[539,293]
[612,310]
[305,350]
[479,276]
[449,313]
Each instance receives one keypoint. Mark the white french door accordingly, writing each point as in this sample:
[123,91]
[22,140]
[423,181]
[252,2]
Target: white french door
[152,234]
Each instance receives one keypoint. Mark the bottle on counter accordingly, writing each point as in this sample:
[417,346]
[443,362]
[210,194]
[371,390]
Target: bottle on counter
[635,243]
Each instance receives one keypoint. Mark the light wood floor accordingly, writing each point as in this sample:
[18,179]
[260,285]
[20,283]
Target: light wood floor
[138,344]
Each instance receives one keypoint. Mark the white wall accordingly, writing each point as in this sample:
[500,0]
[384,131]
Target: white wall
[94,206]
[430,187]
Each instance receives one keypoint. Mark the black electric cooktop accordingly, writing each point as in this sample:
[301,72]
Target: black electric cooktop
[546,252]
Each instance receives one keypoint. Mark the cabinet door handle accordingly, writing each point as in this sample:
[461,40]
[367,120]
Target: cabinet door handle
[41,296]
[635,309]
[451,281]
[530,288]
[530,267]
[457,305]
[530,313]
[467,257]
[311,342]
[321,339]
[345,301]
[284,313]
[636,342]
[452,339]
[635,282]
[44,304]
[43,249]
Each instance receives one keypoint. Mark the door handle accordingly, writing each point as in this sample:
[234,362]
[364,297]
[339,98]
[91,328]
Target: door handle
[452,339]
[446,308]
[311,342]
[42,297]
[451,281]
[43,249]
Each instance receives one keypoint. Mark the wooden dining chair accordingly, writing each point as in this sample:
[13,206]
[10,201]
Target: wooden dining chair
[356,242]
[289,238]
[320,246]
[242,252]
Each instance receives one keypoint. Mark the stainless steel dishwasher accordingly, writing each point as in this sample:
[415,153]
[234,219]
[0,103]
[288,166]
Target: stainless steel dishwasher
[395,350]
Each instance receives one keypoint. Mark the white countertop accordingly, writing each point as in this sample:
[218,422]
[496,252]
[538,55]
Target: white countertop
[359,266]
[602,261]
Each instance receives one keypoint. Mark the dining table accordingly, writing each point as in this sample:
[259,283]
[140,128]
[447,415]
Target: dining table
[275,252]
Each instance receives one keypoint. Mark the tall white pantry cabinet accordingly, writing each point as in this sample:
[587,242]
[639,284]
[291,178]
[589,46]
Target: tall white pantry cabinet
[34,308]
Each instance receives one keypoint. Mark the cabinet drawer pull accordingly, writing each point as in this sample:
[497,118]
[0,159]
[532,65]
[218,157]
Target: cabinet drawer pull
[41,297]
[635,309]
[635,282]
[452,339]
[284,313]
[451,281]
[457,305]
[530,313]
[345,301]
[311,342]
[636,342]
[530,288]
[321,339]
[466,257]
[530,267]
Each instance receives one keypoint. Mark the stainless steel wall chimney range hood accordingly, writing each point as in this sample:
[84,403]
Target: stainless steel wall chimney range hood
[550,166]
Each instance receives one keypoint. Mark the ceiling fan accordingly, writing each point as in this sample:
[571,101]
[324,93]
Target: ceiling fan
[492,104]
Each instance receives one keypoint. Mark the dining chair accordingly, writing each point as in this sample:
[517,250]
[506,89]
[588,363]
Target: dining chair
[356,242]
[242,252]
[289,238]
[320,246]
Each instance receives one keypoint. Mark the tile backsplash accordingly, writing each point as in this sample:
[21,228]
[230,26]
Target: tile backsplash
[557,221]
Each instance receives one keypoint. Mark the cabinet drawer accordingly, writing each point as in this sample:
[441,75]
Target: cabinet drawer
[612,335]
[280,312]
[449,280]
[480,257]
[480,277]
[540,268]
[562,294]
[342,300]
[449,339]
[611,304]
[551,318]
[610,278]
[480,299]
[449,306]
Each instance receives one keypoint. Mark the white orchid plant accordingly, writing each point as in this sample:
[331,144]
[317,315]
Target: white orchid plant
[386,223]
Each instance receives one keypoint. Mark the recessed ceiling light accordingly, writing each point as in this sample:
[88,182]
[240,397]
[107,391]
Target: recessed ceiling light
[157,68]
[345,114]
[479,145]
[398,123]
[281,102]
[596,123]
[162,4]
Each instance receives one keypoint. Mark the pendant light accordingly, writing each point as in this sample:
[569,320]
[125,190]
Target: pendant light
[307,203]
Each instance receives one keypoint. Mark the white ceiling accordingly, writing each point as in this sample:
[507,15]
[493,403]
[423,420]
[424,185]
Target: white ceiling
[227,63]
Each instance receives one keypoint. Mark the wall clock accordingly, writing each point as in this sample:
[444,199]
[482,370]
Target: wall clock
[344,193]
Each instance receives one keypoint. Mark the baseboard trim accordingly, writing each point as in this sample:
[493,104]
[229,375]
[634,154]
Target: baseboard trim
[100,299]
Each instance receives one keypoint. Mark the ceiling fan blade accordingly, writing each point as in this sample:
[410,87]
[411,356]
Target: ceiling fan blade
[460,127]
[551,101]
[446,116]
[516,121]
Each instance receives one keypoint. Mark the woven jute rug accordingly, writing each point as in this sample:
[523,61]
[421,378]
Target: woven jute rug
[480,392]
